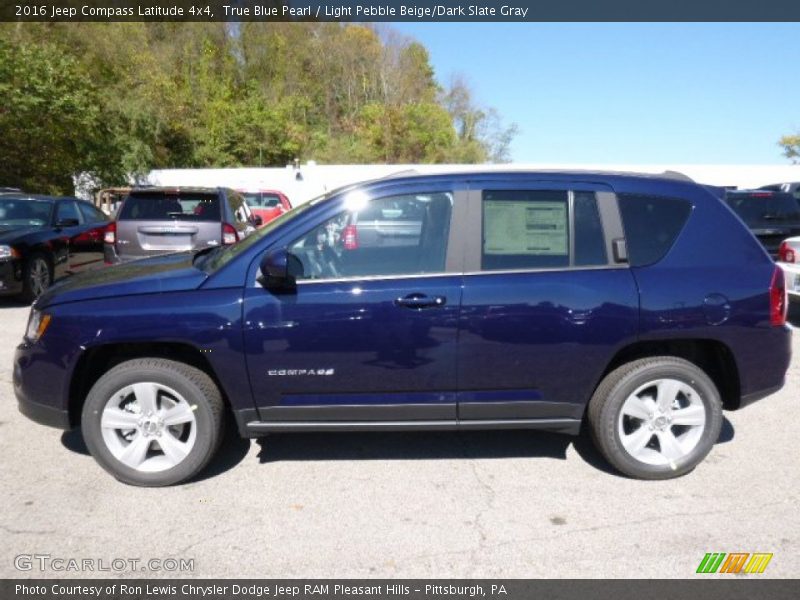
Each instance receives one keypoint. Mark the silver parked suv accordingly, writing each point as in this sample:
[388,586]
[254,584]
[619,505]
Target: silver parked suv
[160,220]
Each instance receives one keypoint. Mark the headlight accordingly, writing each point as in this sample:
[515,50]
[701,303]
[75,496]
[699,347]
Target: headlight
[37,325]
[8,252]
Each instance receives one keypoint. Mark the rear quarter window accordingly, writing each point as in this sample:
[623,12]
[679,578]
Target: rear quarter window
[651,223]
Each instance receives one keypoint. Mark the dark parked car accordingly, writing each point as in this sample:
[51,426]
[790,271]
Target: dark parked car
[771,216]
[522,300]
[790,187]
[155,221]
[45,237]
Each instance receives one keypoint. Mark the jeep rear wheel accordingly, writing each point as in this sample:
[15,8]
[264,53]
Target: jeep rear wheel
[656,418]
[153,422]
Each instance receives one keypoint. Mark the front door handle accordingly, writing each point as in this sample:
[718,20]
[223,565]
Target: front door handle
[420,301]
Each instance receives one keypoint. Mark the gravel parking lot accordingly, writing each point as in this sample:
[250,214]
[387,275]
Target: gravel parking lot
[482,504]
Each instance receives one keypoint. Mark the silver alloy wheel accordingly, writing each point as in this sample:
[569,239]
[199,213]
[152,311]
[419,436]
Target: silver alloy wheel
[148,427]
[39,276]
[661,422]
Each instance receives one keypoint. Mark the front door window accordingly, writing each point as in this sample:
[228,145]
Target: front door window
[394,235]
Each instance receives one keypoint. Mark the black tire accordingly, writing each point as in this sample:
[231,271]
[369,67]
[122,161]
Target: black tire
[197,388]
[34,265]
[606,405]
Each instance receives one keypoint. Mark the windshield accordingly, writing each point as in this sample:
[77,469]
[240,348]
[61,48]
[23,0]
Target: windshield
[223,255]
[22,212]
[755,209]
[158,206]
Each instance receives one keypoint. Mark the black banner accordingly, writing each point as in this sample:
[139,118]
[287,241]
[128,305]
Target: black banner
[731,588]
[398,10]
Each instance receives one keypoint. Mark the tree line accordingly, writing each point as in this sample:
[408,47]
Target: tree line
[118,99]
[791,147]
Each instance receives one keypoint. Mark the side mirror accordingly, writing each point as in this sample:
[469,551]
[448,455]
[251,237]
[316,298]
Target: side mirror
[257,221]
[279,269]
[68,223]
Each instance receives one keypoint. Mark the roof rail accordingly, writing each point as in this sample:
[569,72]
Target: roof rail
[402,173]
[676,175]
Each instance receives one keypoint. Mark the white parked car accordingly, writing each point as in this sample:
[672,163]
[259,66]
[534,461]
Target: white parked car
[789,261]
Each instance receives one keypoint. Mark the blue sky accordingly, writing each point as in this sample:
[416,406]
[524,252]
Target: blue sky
[632,93]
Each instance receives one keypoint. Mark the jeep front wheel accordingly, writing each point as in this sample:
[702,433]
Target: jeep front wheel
[153,422]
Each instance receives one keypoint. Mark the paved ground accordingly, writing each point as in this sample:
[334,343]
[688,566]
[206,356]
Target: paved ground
[493,504]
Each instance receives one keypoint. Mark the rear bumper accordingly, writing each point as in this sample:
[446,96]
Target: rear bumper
[112,257]
[755,396]
[767,361]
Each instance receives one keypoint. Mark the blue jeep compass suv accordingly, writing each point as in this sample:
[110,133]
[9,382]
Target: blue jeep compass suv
[639,305]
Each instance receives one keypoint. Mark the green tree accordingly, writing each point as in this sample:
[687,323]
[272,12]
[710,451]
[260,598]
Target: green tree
[117,99]
[791,147]
[49,118]
[403,134]
[482,137]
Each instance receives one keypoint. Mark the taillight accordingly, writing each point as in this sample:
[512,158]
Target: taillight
[350,237]
[229,234]
[110,236]
[777,298]
[786,253]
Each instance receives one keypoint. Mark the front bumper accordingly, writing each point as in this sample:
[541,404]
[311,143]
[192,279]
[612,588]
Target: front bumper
[10,277]
[791,273]
[44,415]
[31,382]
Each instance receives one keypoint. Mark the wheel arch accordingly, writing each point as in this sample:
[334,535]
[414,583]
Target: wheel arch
[41,248]
[712,356]
[97,360]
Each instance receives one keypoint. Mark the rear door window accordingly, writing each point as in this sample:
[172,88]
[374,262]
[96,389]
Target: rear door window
[91,214]
[651,223]
[541,229]
[525,230]
[170,207]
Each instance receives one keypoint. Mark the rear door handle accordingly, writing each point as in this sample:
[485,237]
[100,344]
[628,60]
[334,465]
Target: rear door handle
[420,301]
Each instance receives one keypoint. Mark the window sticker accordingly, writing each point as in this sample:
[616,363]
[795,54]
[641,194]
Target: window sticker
[526,228]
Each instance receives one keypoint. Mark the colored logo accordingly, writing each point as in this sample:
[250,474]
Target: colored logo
[734,562]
